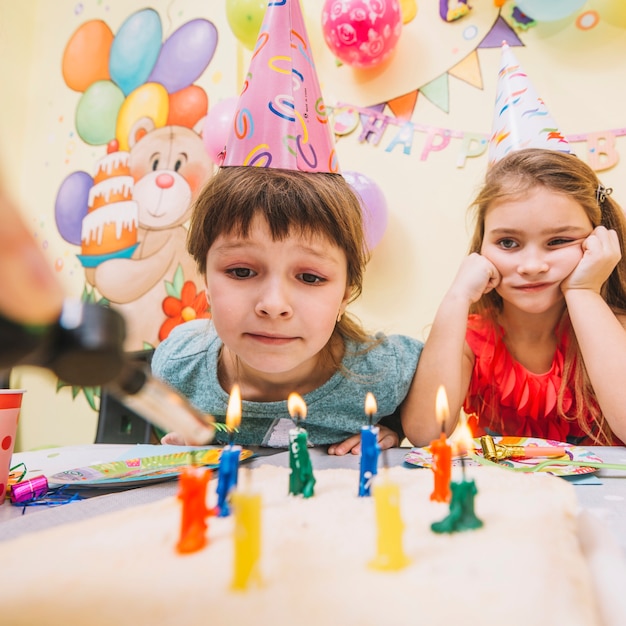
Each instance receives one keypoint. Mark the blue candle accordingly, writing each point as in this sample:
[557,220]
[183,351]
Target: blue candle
[369,448]
[227,477]
[229,459]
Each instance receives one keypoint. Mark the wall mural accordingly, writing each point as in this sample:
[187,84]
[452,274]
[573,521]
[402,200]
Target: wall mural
[139,102]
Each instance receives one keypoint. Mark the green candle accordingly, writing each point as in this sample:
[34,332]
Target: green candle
[461,516]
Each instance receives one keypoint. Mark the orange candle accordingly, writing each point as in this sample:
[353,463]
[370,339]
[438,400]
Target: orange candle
[442,452]
[193,483]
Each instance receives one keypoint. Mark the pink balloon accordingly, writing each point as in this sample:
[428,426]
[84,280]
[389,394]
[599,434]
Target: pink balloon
[362,33]
[373,205]
[217,125]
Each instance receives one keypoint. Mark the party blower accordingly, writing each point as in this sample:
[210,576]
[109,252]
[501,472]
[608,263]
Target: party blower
[84,347]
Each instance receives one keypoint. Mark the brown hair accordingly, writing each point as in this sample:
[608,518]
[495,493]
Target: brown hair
[291,201]
[512,177]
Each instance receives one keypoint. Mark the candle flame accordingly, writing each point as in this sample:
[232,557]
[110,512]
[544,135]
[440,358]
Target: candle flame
[370,404]
[233,412]
[463,436]
[441,406]
[296,406]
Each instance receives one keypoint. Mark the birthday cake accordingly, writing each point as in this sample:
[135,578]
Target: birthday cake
[110,226]
[523,566]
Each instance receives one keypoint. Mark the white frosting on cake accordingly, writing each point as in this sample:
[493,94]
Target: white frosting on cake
[124,215]
[524,567]
[120,185]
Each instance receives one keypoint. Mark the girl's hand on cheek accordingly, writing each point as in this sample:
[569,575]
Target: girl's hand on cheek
[601,253]
[476,277]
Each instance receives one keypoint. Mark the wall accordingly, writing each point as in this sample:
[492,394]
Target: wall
[579,74]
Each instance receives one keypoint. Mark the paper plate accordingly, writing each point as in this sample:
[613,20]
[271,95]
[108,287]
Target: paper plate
[138,471]
[422,457]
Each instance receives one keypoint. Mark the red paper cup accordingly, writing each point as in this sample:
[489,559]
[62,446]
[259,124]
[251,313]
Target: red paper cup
[10,404]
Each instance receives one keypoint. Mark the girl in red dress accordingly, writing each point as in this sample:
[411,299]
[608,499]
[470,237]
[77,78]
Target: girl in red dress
[530,339]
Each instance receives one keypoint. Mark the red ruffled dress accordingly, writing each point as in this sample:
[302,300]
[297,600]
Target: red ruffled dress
[504,398]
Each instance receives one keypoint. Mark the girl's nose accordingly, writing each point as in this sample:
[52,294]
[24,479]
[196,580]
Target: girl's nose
[274,301]
[532,262]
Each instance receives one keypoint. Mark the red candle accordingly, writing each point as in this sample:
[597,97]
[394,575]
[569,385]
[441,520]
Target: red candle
[442,452]
[193,483]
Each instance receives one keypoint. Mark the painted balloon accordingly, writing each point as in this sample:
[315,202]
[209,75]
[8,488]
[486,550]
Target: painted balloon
[150,100]
[217,127]
[135,49]
[71,205]
[361,33]
[245,18]
[187,106]
[542,11]
[184,55]
[373,205]
[86,55]
[96,112]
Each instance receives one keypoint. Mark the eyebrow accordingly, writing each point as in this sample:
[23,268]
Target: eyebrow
[559,230]
[318,252]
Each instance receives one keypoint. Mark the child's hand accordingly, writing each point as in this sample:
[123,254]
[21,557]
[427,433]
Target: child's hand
[173,439]
[387,438]
[477,276]
[601,253]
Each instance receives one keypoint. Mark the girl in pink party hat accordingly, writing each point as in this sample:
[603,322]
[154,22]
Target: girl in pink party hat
[278,235]
[530,338]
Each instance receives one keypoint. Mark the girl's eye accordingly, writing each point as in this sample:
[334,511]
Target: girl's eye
[240,272]
[311,279]
[507,244]
[559,242]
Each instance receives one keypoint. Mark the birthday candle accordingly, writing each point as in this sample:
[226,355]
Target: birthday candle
[229,458]
[442,452]
[390,553]
[193,483]
[369,448]
[461,516]
[247,537]
[301,479]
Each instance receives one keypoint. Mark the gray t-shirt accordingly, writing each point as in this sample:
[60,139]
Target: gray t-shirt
[187,360]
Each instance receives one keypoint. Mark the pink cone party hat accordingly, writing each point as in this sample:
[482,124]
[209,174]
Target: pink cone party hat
[521,119]
[281,120]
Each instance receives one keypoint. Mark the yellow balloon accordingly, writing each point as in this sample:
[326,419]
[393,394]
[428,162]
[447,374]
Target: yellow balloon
[408,8]
[148,100]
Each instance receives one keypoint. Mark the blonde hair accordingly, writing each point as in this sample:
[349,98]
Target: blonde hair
[290,201]
[514,176]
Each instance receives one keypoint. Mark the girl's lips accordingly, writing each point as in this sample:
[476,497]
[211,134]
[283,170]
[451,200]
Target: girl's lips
[533,286]
[270,339]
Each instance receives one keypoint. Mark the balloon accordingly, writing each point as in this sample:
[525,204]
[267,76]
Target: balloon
[86,55]
[245,18]
[361,33]
[373,205]
[185,55]
[150,100]
[135,49]
[543,11]
[217,127]
[187,106]
[71,205]
[97,111]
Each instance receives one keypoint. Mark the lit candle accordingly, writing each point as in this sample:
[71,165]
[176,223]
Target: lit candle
[247,537]
[193,482]
[369,448]
[229,458]
[301,479]
[461,515]
[441,451]
[390,553]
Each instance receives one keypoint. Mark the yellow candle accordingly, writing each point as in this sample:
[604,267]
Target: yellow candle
[247,538]
[390,555]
